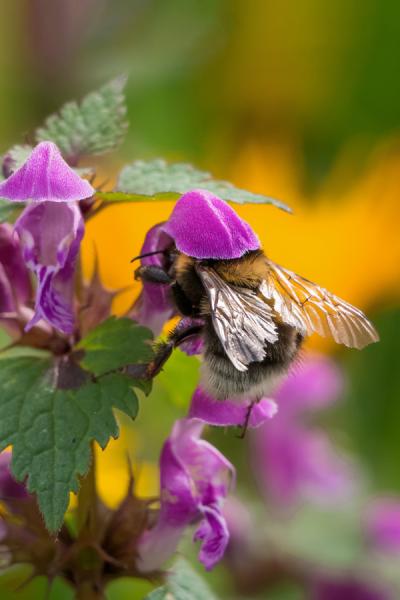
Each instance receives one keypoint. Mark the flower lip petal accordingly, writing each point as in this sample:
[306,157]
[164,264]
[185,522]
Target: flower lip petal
[214,534]
[383,524]
[154,306]
[50,237]
[225,413]
[45,176]
[205,226]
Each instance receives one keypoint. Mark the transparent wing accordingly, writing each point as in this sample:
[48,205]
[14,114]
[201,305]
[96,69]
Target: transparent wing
[242,320]
[311,308]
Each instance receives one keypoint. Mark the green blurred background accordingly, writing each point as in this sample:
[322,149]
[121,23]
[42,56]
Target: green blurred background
[300,100]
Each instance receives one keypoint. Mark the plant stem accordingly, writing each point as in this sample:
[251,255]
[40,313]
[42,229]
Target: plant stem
[87,511]
[88,591]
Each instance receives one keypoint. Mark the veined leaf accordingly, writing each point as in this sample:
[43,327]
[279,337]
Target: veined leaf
[94,126]
[114,344]
[158,180]
[50,429]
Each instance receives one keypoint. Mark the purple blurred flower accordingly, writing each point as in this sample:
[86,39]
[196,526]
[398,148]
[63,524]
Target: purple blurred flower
[225,413]
[45,176]
[154,306]
[195,479]
[350,589]
[383,525]
[292,460]
[315,383]
[15,286]
[50,236]
[204,226]
[9,488]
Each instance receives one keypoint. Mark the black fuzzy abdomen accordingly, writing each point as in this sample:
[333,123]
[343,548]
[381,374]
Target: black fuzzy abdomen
[221,379]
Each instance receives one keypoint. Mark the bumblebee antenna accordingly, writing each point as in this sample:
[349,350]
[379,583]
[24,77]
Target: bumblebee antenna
[147,254]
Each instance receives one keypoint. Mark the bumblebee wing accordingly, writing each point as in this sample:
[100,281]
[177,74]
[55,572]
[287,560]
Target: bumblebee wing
[242,321]
[311,308]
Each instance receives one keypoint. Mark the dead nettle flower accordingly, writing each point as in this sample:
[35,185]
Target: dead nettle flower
[154,306]
[15,285]
[349,588]
[50,229]
[195,479]
[382,525]
[225,413]
[293,460]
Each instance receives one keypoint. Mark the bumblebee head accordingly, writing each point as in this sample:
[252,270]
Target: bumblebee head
[204,226]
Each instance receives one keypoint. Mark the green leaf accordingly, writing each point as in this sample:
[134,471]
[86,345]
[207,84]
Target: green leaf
[9,210]
[94,126]
[161,181]
[183,583]
[18,154]
[114,344]
[51,429]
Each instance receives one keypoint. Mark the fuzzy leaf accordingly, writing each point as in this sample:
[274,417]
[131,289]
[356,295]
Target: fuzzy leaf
[50,429]
[183,583]
[15,157]
[94,126]
[158,180]
[115,343]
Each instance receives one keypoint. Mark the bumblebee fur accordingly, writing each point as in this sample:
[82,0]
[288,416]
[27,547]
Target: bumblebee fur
[219,376]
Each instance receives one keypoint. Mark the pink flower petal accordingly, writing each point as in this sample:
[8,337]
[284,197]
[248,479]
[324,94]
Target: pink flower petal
[204,226]
[225,413]
[45,176]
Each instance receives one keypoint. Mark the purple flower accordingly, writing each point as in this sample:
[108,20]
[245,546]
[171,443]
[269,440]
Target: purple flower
[15,286]
[293,461]
[195,479]
[193,344]
[50,229]
[204,226]
[349,589]
[9,488]
[383,525]
[225,413]
[155,305]
[50,236]
[45,176]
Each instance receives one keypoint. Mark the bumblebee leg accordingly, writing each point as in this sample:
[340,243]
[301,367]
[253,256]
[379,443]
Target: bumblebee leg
[247,420]
[153,274]
[163,352]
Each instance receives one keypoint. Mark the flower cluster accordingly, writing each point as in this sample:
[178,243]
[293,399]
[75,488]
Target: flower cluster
[292,459]
[50,230]
[135,539]
[195,477]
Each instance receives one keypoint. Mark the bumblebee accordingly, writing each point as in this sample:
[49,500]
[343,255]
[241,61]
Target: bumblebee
[253,316]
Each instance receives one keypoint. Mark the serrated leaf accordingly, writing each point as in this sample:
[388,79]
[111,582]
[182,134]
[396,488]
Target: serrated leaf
[51,429]
[94,126]
[114,344]
[183,583]
[156,177]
